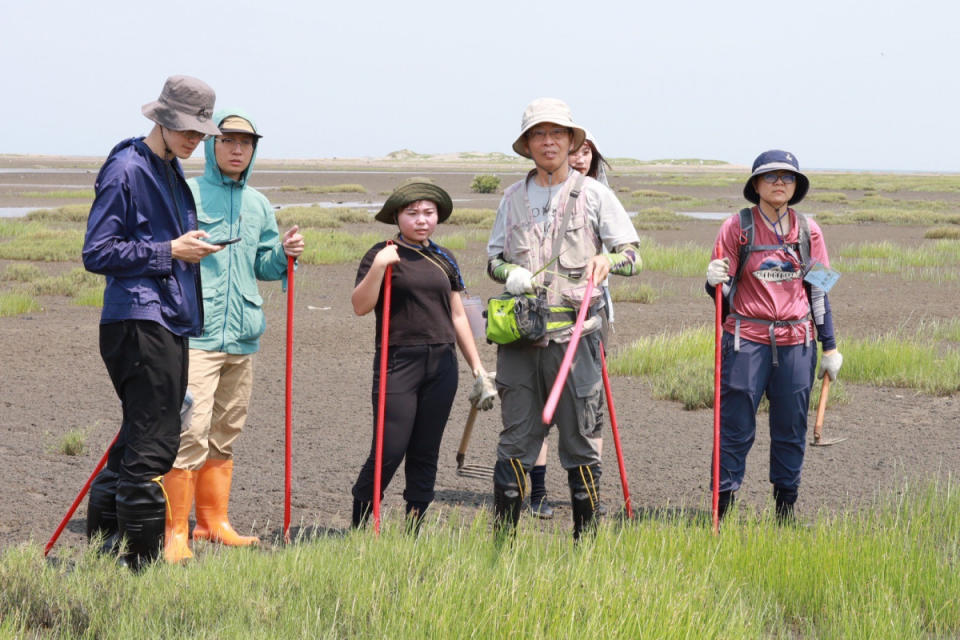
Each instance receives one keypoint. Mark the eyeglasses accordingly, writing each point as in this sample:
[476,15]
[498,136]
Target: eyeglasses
[243,143]
[190,134]
[539,135]
[787,177]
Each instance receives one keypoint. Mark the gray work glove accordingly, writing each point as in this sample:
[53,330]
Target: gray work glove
[830,363]
[718,271]
[484,390]
[519,281]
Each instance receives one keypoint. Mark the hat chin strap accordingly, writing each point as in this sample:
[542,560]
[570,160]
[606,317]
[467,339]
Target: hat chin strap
[166,148]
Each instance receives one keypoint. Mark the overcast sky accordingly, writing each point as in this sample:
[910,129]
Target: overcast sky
[842,84]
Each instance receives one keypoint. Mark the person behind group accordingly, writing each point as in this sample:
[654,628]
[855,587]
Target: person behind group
[221,360]
[142,235]
[766,345]
[590,162]
[426,319]
[529,233]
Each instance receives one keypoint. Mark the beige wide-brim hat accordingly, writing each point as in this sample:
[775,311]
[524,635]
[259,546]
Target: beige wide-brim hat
[549,110]
[185,104]
[414,191]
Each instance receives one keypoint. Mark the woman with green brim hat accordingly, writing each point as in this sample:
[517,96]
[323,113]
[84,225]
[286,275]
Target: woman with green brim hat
[426,319]
[763,258]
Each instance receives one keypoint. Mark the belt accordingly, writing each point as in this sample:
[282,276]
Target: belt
[772,325]
[561,317]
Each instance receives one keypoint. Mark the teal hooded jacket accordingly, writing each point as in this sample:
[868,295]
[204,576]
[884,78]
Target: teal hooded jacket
[226,208]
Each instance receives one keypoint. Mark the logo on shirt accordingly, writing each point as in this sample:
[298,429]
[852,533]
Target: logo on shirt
[776,271]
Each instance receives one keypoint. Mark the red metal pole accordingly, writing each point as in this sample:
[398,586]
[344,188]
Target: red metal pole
[288,405]
[381,395]
[717,357]
[551,405]
[616,433]
[80,496]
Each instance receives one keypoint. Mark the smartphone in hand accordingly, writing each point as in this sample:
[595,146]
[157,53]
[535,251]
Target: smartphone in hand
[224,243]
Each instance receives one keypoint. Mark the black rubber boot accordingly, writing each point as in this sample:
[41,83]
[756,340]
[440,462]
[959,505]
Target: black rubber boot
[509,479]
[539,506]
[142,519]
[784,500]
[584,484]
[102,511]
[725,500]
[415,513]
[361,513]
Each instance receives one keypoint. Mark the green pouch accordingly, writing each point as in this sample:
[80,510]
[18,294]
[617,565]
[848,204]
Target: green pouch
[516,318]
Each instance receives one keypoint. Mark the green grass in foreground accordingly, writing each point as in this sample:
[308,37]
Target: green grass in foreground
[888,572]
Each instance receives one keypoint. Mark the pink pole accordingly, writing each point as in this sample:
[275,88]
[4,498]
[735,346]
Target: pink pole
[80,496]
[381,395]
[288,405]
[616,433]
[551,405]
[717,357]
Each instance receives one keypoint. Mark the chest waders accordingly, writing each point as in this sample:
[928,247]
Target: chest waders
[747,246]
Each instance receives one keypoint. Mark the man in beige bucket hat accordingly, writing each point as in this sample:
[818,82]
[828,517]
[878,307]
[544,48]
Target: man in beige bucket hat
[548,239]
[142,235]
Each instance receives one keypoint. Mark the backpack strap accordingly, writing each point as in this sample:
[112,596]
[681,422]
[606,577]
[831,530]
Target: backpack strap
[564,222]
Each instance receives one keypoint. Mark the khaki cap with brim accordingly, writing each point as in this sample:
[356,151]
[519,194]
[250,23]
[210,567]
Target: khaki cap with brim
[412,192]
[185,104]
[238,124]
[549,110]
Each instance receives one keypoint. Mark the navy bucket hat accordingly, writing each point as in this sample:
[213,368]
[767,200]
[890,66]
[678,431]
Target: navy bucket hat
[776,160]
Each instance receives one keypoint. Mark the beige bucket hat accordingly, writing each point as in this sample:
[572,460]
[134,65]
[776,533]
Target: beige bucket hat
[185,104]
[547,110]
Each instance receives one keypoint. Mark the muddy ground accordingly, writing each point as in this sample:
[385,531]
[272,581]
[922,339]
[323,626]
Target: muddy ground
[53,381]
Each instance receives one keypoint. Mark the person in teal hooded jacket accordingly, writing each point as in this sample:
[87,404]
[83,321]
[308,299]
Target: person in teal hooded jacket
[221,360]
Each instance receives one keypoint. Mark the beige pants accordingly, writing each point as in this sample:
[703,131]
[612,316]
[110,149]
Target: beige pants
[221,384]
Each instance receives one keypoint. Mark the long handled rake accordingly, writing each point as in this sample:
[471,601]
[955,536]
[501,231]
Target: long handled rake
[381,395]
[470,470]
[616,434]
[288,406]
[80,496]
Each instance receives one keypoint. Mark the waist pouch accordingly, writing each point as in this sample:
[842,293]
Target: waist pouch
[516,318]
[527,318]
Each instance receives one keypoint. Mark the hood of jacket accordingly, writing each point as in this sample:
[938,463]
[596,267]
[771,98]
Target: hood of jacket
[211,171]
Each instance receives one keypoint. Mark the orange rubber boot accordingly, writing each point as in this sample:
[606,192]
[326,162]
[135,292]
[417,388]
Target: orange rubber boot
[213,495]
[179,486]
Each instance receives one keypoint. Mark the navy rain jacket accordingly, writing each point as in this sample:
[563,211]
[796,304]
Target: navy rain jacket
[143,203]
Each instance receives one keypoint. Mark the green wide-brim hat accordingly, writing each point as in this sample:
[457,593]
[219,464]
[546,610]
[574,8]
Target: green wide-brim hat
[412,192]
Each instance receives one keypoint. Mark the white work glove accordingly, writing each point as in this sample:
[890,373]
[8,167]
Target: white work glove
[484,390]
[519,281]
[718,271]
[830,363]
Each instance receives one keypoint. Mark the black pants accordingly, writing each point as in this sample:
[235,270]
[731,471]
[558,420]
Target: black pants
[421,385]
[148,367]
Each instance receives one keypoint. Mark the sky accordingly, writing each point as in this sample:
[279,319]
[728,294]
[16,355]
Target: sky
[842,84]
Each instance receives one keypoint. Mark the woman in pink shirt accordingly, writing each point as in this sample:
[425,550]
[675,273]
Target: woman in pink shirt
[771,312]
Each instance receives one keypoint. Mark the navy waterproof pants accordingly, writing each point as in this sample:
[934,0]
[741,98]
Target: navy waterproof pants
[746,376]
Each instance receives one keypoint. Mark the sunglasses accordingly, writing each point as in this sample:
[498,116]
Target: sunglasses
[787,177]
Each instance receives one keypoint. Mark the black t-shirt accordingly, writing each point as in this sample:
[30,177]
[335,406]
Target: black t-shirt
[419,295]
